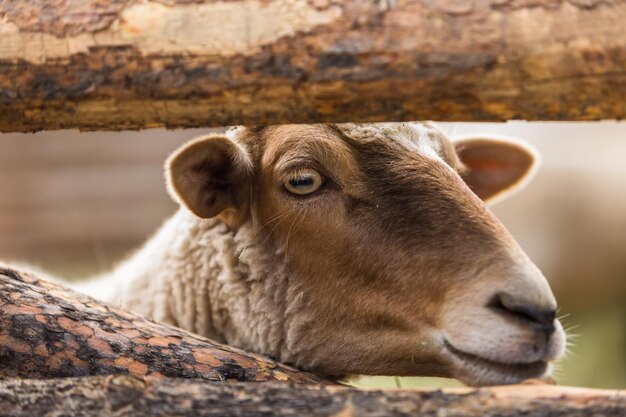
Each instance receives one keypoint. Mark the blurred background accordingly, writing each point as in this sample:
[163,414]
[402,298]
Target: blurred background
[75,203]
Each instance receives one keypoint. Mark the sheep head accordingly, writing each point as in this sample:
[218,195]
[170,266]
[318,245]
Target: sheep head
[395,264]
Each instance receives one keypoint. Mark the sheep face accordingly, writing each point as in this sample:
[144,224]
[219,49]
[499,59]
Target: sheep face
[394,264]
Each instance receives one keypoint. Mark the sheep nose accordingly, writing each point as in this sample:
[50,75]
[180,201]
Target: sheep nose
[540,318]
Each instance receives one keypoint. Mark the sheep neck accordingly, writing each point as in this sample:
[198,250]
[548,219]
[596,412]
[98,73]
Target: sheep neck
[203,277]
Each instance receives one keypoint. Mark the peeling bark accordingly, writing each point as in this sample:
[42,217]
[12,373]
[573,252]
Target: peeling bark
[50,331]
[123,64]
[129,396]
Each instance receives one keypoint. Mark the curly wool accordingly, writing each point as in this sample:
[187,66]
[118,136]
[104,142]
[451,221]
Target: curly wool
[201,276]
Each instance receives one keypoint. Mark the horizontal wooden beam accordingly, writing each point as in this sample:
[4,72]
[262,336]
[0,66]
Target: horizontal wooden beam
[131,396]
[125,64]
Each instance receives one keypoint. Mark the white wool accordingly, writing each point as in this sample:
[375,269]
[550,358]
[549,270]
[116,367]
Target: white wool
[199,275]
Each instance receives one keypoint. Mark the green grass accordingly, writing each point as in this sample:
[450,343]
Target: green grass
[597,354]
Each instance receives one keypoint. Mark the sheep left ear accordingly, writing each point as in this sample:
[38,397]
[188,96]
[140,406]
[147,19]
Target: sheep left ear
[211,177]
[494,168]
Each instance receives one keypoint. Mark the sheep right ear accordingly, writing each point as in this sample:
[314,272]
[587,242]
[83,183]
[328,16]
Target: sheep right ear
[495,168]
[210,176]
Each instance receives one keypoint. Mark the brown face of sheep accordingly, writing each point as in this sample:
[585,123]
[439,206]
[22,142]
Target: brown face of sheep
[395,264]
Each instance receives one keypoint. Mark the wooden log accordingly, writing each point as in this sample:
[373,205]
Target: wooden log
[126,64]
[129,396]
[48,330]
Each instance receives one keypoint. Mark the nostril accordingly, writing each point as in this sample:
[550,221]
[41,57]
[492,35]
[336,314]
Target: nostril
[506,303]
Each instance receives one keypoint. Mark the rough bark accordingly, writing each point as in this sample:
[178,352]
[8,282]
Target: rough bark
[118,64]
[48,330]
[129,396]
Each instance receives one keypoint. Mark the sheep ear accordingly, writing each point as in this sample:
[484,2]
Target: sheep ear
[495,168]
[210,176]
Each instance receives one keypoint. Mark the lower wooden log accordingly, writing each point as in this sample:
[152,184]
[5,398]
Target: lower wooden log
[130,396]
[48,330]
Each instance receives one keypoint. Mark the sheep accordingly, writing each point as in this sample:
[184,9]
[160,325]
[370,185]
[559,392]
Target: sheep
[348,249]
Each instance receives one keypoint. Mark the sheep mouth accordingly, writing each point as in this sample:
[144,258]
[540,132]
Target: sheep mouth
[512,372]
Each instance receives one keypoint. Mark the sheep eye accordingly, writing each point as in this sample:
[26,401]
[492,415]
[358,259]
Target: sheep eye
[304,182]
